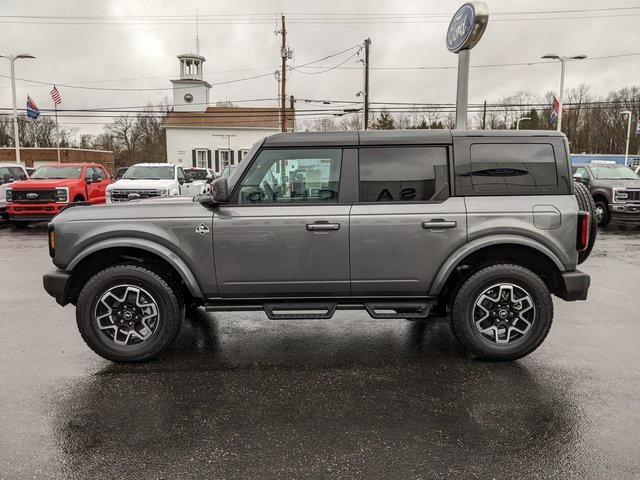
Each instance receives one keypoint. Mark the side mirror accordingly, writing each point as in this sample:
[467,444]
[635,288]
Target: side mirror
[6,178]
[96,178]
[220,190]
[22,176]
[181,181]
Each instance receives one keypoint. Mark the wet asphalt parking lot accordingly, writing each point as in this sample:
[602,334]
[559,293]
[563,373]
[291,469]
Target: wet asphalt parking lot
[240,396]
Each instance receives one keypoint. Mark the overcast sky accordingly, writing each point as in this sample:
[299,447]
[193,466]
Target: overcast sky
[140,54]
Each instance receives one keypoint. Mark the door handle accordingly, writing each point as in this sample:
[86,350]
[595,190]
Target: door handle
[438,224]
[322,226]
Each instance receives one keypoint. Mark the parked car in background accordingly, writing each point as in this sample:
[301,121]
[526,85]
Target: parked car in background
[201,177]
[151,180]
[9,173]
[615,190]
[54,186]
[482,225]
[120,172]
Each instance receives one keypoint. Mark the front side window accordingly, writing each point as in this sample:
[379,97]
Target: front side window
[582,173]
[510,167]
[139,172]
[403,174]
[180,174]
[14,173]
[293,176]
[47,172]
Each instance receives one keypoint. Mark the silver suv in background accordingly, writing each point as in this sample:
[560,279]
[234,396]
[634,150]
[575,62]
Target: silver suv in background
[482,226]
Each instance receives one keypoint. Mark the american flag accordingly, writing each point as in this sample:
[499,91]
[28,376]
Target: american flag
[55,94]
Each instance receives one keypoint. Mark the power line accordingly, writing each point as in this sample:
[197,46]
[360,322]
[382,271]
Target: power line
[309,65]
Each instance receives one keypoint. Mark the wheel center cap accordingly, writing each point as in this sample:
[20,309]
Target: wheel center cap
[127,315]
[503,313]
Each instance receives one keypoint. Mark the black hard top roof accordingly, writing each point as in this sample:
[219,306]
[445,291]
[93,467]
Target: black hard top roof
[392,137]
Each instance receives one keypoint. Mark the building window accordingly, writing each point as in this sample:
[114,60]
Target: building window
[201,159]
[225,158]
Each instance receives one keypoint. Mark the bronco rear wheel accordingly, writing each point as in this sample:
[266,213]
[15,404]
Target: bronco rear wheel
[502,312]
[128,313]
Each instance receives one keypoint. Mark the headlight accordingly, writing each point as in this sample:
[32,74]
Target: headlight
[619,195]
[62,195]
[163,192]
[9,193]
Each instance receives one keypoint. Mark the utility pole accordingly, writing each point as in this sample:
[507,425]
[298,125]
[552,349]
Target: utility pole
[16,134]
[283,78]
[367,44]
[484,116]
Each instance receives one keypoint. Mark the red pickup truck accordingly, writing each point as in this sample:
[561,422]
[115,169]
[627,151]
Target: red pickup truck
[54,186]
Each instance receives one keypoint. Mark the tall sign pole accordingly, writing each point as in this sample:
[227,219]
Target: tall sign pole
[367,44]
[465,30]
[283,79]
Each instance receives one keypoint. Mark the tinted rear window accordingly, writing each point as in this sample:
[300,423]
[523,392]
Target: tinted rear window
[403,174]
[513,167]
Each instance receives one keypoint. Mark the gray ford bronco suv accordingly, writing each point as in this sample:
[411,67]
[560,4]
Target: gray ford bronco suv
[481,225]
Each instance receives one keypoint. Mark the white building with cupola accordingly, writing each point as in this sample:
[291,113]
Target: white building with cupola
[200,134]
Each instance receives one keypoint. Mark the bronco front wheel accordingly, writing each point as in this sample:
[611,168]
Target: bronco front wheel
[128,313]
[502,312]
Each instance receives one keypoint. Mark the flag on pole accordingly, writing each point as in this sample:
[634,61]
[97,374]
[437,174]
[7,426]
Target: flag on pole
[32,109]
[55,95]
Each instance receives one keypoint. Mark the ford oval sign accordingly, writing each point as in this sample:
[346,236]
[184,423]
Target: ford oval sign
[32,196]
[467,26]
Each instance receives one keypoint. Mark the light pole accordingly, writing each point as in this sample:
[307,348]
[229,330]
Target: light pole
[626,152]
[563,60]
[16,136]
[519,120]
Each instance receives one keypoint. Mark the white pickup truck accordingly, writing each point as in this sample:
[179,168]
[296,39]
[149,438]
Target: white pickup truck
[9,173]
[148,180]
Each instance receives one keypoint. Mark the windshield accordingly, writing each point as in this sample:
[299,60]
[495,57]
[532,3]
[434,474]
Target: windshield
[197,173]
[617,172]
[55,172]
[149,173]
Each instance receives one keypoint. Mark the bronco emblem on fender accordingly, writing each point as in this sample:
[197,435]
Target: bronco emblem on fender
[202,229]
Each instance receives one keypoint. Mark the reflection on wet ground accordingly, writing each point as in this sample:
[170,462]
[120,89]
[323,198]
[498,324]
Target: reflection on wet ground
[240,396]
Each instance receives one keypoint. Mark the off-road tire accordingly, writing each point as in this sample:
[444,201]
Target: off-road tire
[462,321]
[586,204]
[170,312]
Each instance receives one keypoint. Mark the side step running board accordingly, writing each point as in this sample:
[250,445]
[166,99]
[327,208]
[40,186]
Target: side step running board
[408,310]
[317,309]
[300,311]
